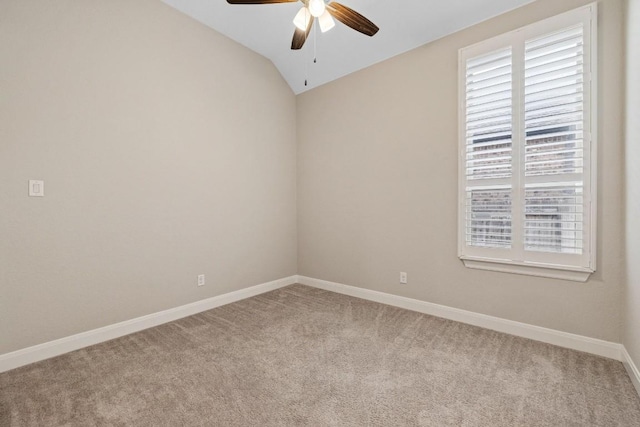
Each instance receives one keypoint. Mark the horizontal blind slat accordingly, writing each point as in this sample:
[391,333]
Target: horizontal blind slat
[555,37]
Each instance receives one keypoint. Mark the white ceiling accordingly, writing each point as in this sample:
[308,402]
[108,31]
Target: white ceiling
[404,25]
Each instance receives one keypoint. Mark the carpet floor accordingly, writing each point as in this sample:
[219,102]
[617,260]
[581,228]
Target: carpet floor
[300,356]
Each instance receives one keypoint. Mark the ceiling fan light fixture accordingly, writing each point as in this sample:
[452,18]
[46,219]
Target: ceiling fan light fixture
[302,18]
[325,11]
[316,7]
[326,22]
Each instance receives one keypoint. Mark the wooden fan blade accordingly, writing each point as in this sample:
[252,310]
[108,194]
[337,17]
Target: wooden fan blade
[299,36]
[352,19]
[259,1]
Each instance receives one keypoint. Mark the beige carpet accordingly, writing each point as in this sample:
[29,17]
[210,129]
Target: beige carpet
[300,356]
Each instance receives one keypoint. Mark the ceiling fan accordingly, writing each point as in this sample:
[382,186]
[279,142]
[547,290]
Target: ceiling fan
[324,11]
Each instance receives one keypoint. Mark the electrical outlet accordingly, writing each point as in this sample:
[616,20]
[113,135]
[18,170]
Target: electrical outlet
[201,280]
[403,278]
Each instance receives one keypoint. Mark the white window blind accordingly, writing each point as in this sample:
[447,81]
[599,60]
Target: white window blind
[527,157]
[488,146]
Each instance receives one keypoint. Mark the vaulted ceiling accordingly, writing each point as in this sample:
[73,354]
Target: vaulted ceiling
[404,25]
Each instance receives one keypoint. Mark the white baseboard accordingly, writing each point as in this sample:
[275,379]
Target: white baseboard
[64,345]
[632,369]
[562,339]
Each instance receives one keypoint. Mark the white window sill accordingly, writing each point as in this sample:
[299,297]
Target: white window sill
[576,275]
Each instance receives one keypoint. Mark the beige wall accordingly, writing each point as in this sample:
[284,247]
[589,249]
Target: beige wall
[167,151]
[631,338]
[377,182]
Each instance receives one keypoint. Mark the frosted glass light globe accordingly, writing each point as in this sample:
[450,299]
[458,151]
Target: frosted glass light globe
[316,7]
[326,22]
[302,19]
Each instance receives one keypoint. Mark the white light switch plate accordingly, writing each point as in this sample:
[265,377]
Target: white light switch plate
[36,188]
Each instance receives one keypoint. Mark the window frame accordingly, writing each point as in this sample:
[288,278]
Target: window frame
[517,260]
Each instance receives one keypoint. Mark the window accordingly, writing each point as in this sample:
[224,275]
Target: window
[527,149]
